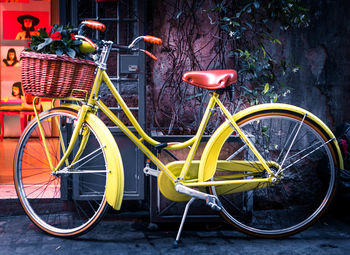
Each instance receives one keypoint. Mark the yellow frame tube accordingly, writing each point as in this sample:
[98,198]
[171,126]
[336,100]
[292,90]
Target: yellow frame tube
[243,136]
[134,122]
[198,136]
[217,183]
[194,141]
[134,139]
[61,140]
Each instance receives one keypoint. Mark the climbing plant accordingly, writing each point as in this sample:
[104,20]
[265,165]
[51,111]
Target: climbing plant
[220,34]
[252,28]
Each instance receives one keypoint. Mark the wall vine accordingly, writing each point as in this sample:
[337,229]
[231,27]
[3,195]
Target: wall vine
[204,35]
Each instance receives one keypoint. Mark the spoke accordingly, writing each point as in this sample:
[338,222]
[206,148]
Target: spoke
[233,205]
[89,155]
[32,175]
[43,147]
[307,154]
[285,144]
[296,154]
[290,146]
[39,187]
[67,171]
[237,152]
[30,154]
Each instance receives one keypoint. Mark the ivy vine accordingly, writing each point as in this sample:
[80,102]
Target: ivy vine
[250,27]
[220,34]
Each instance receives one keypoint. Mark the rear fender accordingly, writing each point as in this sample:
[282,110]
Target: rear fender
[211,152]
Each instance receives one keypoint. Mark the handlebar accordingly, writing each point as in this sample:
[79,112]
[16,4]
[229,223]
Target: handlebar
[101,27]
[146,38]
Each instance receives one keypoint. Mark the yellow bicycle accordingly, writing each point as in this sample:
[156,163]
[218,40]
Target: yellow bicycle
[270,170]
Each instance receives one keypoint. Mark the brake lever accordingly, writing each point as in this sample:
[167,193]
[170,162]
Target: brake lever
[149,54]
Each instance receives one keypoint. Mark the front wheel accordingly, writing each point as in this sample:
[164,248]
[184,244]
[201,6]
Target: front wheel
[305,185]
[71,201]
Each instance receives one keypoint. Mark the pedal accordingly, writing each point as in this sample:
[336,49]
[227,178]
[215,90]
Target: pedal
[213,203]
[150,171]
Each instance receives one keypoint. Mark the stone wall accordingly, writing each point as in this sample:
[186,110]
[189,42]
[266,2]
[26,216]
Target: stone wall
[322,50]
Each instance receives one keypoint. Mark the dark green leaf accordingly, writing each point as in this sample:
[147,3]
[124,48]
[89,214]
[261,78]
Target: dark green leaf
[256,5]
[76,42]
[266,88]
[225,28]
[59,52]
[44,44]
[249,25]
[236,24]
[70,52]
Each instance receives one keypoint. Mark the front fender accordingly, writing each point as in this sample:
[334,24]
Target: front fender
[211,152]
[115,176]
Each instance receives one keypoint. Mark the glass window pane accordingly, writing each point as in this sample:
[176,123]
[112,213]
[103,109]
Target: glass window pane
[87,9]
[111,30]
[107,10]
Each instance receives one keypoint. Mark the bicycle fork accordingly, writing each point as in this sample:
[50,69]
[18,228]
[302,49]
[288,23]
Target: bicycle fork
[66,151]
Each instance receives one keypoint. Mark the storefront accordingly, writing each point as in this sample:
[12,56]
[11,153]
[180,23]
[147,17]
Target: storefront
[20,20]
[124,20]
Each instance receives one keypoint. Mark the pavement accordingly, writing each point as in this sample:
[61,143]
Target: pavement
[130,232]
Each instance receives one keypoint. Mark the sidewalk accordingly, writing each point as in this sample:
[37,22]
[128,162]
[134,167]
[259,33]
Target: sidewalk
[130,233]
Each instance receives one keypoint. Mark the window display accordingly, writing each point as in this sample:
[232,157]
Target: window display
[20,21]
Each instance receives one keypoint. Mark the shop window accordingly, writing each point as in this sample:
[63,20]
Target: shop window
[20,20]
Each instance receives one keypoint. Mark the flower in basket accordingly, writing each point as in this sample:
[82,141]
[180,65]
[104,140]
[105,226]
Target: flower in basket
[59,40]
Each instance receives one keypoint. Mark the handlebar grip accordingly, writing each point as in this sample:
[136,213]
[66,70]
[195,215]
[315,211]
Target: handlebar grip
[152,39]
[95,25]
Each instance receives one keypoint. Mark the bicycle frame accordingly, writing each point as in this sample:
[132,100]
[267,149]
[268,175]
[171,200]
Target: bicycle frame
[214,101]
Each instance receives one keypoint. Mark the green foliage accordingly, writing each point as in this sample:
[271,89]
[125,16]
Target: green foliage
[248,25]
[60,40]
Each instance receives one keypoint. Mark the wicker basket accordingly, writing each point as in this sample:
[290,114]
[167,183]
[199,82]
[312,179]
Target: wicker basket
[48,75]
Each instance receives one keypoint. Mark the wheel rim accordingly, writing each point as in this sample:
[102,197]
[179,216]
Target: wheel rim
[282,209]
[63,204]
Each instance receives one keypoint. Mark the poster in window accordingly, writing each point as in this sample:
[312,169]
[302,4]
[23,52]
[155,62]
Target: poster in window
[11,92]
[14,1]
[22,25]
[10,63]
[19,21]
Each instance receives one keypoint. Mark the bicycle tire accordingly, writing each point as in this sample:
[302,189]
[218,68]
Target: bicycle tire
[63,204]
[303,190]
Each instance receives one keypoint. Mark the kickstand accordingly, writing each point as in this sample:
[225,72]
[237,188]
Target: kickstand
[176,242]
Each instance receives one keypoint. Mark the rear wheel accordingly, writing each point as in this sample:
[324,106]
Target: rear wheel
[71,201]
[304,186]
